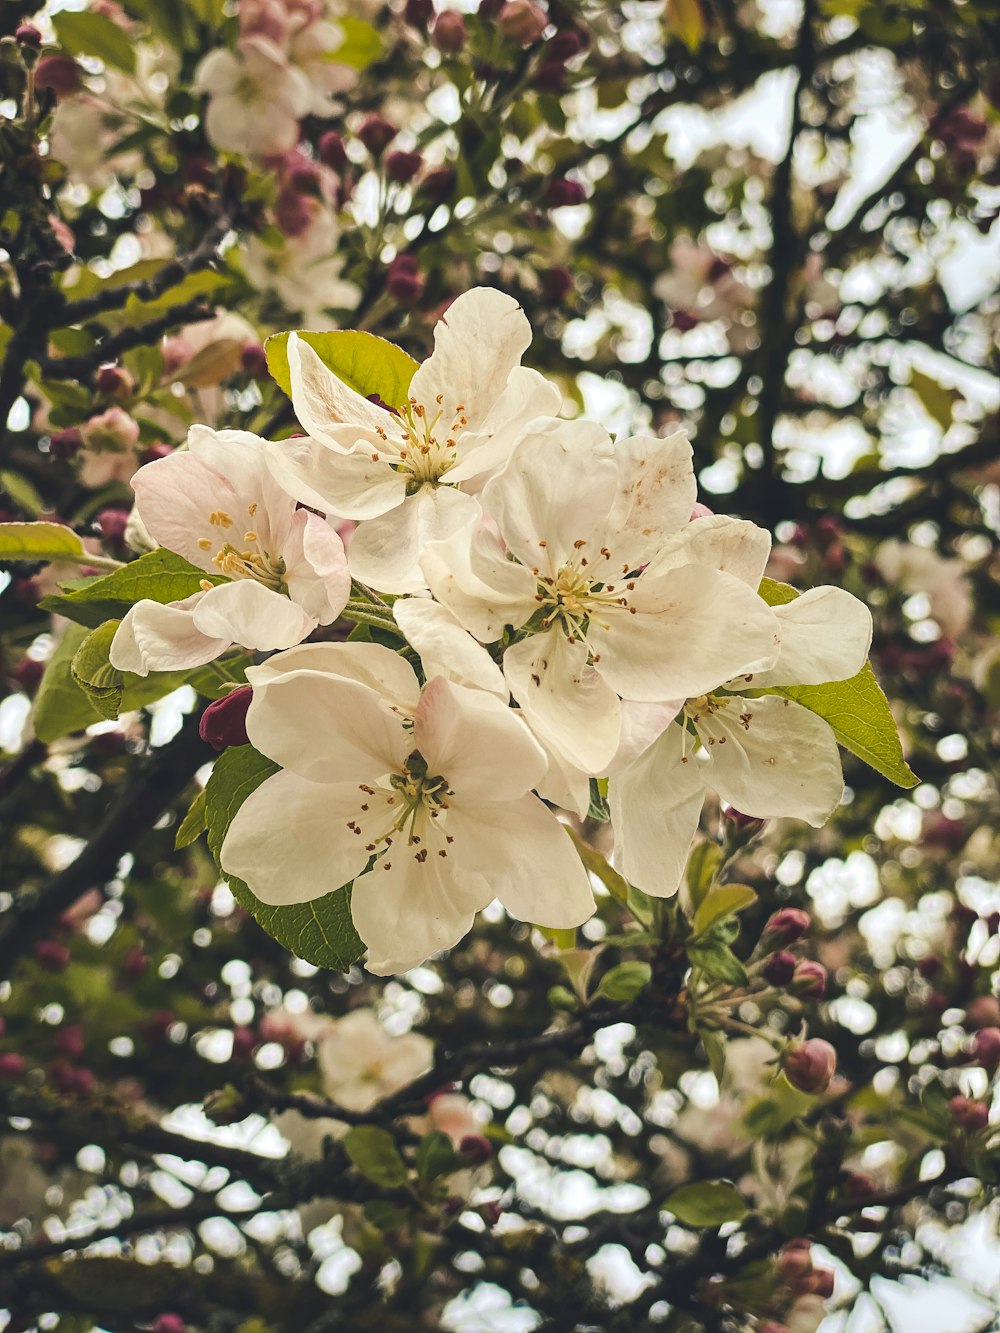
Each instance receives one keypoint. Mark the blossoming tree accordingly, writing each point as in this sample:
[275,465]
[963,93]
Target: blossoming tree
[499,676]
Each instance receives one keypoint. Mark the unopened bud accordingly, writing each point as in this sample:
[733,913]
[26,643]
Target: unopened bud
[113,381]
[244,1041]
[169,1323]
[12,1064]
[66,443]
[418,13]
[28,35]
[820,1283]
[449,33]
[436,185]
[70,1040]
[135,963]
[858,1186]
[28,674]
[550,76]
[403,280]
[779,969]
[810,1065]
[476,1148]
[565,193]
[748,824]
[565,45]
[224,721]
[112,523]
[986,1049]
[795,1262]
[522,21]
[401,166]
[557,283]
[809,980]
[331,151]
[969,1115]
[376,133]
[983,1012]
[52,955]
[60,73]
[253,359]
[156,451]
[113,429]
[491,1212]
[787,925]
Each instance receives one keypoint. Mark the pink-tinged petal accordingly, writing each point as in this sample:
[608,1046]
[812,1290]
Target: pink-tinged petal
[327,728]
[414,902]
[477,343]
[689,626]
[826,634]
[528,395]
[252,615]
[175,497]
[445,648]
[316,572]
[293,840]
[731,545]
[526,857]
[156,637]
[656,493]
[369,664]
[385,552]
[564,700]
[777,760]
[483,590]
[656,804]
[353,484]
[552,500]
[479,745]
[240,459]
[322,400]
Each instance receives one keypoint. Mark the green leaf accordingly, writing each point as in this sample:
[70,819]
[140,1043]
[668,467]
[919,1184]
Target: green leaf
[856,709]
[320,931]
[726,900]
[718,961]
[40,542]
[365,363]
[88,34]
[708,1204]
[625,981]
[685,19]
[361,45]
[159,576]
[373,1151]
[23,492]
[937,401]
[702,866]
[103,684]
[193,824]
[435,1157]
[387,1216]
[62,706]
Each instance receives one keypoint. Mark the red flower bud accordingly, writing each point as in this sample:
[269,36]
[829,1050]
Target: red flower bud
[154,451]
[70,1040]
[403,280]
[60,73]
[244,1041]
[376,133]
[810,1065]
[779,969]
[564,193]
[491,1213]
[135,963]
[929,967]
[969,1115]
[820,1283]
[787,925]
[113,381]
[12,1064]
[169,1323]
[224,721]
[522,21]
[795,1262]
[159,1023]
[557,283]
[809,980]
[983,1012]
[28,35]
[253,359]
[52,955]
[112,523]
[65,443]
[750,823]
[418,13]
[550,76]
[986,1049]
[477,1148]
[858,1186]
[449,33]
[770,1326]
[331,151]
[436,185]
[401,166]
[565,45]
[28,674]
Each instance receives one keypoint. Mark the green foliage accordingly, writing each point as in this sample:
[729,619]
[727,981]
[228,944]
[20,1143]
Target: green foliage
[720,903]
[321,931]
[361,45]
[707,1204]
[373,1151]
[435,1157]
[159,576]
[625,981]
[40,542]
[194,823]
[856,709]
[90,34]
[365,363]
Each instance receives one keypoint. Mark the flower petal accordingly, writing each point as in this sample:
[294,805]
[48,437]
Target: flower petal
[778,759]
[655,495]
[556,491]
[525,856]
[826,634]
[477,743]
[564,700]
[385,551]
[316,572]
[564,784]
[240,459]
[321,399]
[732,545]
[477,343]
[472,577]
[252,615]
[174,497]
[368,664]
[326,728]
[348,483]
[527,395]
[290,842]
[157,637]
[656,804]
[689,626]
[445,648]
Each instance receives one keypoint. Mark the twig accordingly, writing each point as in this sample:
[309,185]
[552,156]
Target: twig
[111,347]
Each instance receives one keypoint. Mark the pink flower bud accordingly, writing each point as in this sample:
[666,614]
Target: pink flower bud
[113,429]
[522,21]
[28,674]
[449,33]
[557,283]
[401,166]
[986,1049]
[750,824]
[779,969]
[160,449]
[169,1323]
[787,925]
[224,721]
[477,1148]
[770,1326]
[550,76]
[983,1012]
[565,45]
[376,133]
[52,955]
[403,280]
[60,73]
[437,184]
[794,1263]
[12,1064]
[859,1186]
[253,359]
[969,1115]
[244,1041]
[418,13]
[810,1065]
[65,443]
[809,980]
[70,1040]
[565,193]
[113,381]
[28,35]
[330,150]
[820,1283]
[112,523]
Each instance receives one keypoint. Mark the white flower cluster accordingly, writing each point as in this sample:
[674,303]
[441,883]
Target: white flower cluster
[573,618]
